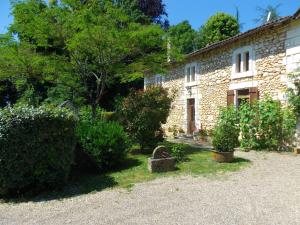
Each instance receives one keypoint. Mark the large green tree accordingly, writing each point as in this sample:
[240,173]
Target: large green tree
[145,11]
[74,50]
[219,27]
[183,37]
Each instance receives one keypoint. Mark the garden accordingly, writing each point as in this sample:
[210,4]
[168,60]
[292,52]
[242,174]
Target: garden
[54,148]
[75,118]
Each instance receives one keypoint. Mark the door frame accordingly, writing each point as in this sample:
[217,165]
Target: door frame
[191,115]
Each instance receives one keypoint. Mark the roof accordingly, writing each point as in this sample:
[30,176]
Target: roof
[246,34]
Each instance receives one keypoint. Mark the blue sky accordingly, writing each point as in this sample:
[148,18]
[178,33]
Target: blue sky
[196,11]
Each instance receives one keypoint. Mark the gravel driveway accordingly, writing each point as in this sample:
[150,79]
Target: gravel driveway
[267,192]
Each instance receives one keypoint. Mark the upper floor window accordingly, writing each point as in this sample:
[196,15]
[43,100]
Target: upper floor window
[243,63]
[159,80]
[191,73]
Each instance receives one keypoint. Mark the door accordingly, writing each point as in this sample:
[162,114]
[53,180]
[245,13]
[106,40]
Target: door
[191,126]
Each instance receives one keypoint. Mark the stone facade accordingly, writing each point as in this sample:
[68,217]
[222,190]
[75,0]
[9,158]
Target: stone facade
[268,50]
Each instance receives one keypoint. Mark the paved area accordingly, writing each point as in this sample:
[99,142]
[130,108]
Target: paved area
[266,193]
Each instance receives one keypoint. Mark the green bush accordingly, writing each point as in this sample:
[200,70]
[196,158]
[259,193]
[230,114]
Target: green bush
[142,114]
[104,141]
[226,132]
[177,150]
[36,148]
[266,125]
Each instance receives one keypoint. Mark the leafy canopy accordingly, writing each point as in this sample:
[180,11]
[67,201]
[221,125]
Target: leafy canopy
[182,37]
[73,50]
[219,27]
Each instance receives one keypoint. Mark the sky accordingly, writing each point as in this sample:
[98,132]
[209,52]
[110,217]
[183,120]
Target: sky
[196,11]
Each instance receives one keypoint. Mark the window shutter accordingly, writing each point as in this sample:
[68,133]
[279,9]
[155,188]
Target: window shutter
[230,97]
[254,94]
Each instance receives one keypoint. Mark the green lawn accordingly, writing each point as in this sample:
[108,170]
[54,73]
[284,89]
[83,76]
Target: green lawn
[135,170]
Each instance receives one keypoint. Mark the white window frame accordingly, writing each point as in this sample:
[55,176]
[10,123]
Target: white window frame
[189,66]
[159,79]
[242,74]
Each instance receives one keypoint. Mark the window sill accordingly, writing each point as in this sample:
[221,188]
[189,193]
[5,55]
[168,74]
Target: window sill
[190,84]
[242,75]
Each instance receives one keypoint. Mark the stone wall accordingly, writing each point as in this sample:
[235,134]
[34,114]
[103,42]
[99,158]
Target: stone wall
[215,77]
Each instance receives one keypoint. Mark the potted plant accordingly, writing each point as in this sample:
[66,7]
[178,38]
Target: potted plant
[203,135]
[225,136]
[180,132]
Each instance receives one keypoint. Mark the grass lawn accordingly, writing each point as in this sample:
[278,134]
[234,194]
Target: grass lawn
[135,170]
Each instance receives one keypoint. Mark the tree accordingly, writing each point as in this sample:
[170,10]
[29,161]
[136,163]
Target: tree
[294,93]
[270,13]
[78,49]
[145,11]
[182,37]
[219,27]
[107,44]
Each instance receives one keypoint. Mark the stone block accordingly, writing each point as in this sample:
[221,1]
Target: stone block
[161,165]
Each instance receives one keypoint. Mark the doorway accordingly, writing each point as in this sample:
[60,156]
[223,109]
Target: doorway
[191,124]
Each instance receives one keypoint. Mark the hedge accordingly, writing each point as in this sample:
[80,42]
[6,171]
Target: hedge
[36,148]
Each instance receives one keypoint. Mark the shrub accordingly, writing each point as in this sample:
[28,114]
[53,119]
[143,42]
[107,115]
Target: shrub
[266,125]
[85,113]
[142,114]
[105,142]
[177,150]
[36,148]
[226,132]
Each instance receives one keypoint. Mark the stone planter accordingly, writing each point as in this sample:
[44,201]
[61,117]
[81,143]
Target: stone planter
[161,165]
[222,157]
[161,161]
[296,151]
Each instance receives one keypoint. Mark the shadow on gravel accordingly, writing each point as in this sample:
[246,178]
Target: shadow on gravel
[80,182]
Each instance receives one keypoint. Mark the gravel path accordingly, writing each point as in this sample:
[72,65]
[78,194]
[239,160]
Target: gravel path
[268,192]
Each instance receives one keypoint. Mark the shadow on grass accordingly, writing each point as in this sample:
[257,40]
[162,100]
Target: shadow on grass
[240,160]
[80,182]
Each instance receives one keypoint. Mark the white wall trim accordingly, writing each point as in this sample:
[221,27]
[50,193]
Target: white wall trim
[243,85]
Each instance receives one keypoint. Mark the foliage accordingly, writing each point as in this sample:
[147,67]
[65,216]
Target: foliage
[177,150]
[294,93]
[145,11]
[264,14]
[183,37]
[219,27]
[36,148]
[74,50]
[226,132]
[105,142]
[266,125]
[142,114]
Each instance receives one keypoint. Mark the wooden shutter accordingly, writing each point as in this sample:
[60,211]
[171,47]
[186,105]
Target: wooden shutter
[230,97]
[254,95]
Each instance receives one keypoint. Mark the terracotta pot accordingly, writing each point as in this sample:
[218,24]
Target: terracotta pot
[222,157]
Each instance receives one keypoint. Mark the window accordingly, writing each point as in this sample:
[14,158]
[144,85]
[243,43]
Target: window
[243,65]
[188,74]
[159,80]
[191,73]
[238,63]
[246,61]
[239,96]
[243,96]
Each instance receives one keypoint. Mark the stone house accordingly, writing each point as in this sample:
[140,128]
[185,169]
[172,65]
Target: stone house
[248,66]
